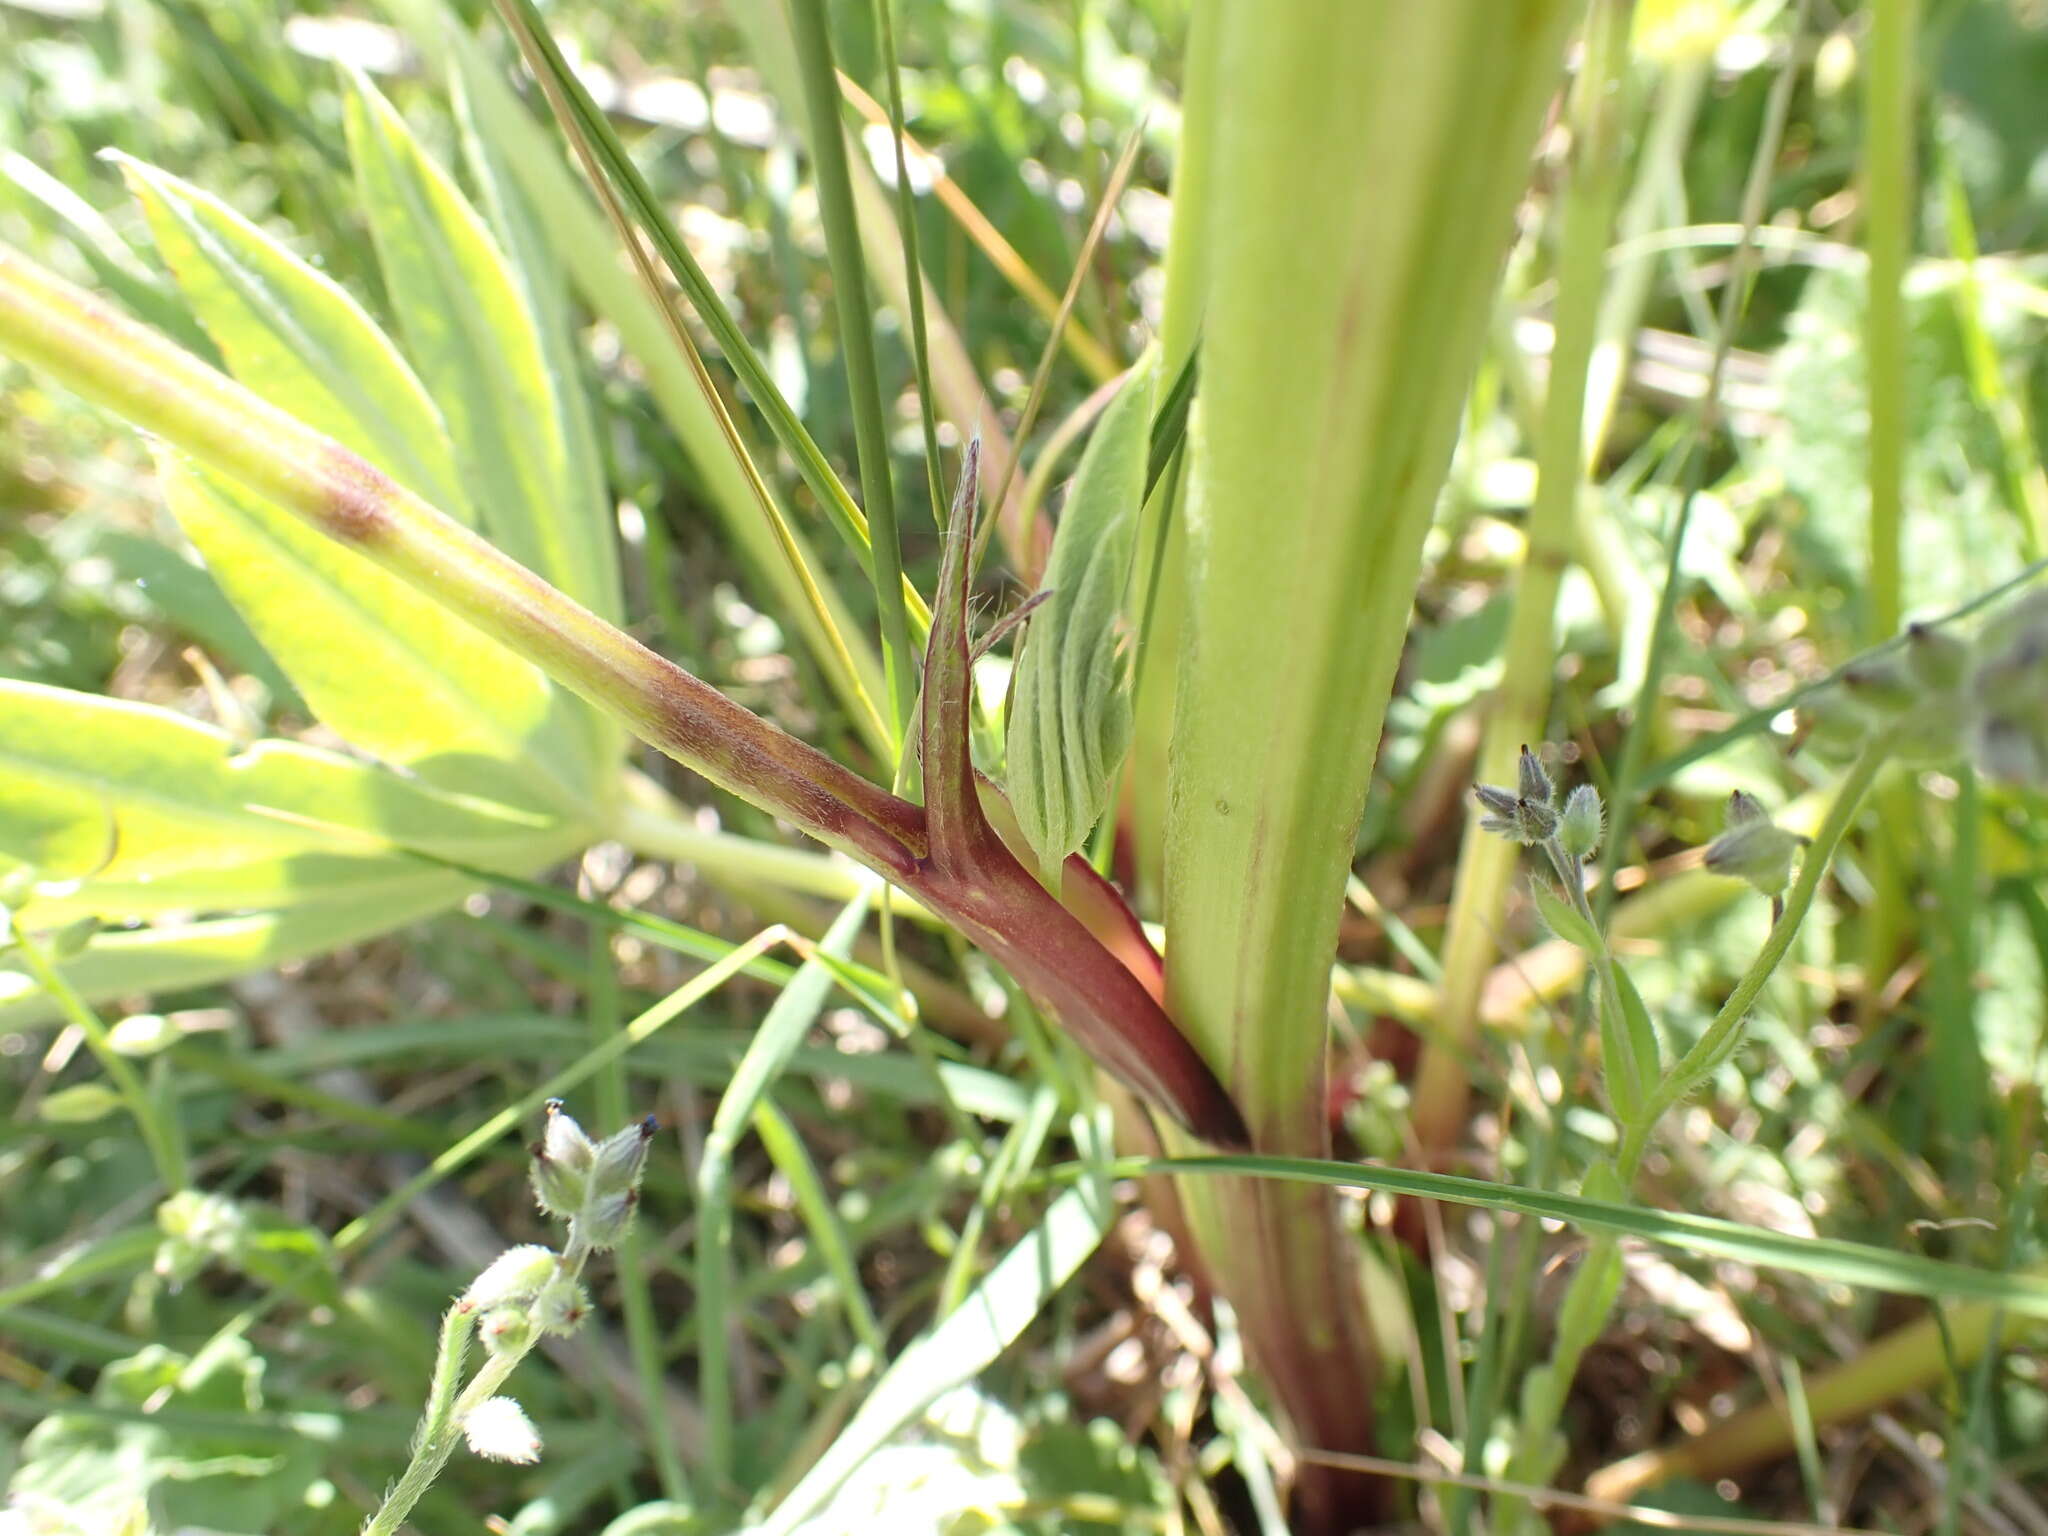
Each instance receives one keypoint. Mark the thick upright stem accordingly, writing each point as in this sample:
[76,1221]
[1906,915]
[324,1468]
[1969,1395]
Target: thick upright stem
[1341,319]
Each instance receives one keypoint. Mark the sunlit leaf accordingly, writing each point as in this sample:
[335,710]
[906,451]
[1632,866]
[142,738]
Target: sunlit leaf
[404,679]
[297,338]
[469,331]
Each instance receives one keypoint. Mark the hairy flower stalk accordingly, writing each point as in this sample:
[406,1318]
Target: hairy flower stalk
[945,853]
[524,1295]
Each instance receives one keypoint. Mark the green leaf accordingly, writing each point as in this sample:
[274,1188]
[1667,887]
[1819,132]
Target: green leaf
[1009,1297]
[1621,1074]
[537,268]
[119,964]
[190,1457]
[1857,1265]
[80,1104]
[1564,919]
[469,330]
[1070,721]
[401,678]
[125,792]
[297,338]
[1642,1034]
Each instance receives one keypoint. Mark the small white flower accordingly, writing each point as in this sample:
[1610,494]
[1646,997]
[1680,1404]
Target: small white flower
[498,1429]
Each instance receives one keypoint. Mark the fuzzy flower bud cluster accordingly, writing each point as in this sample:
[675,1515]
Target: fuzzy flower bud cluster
[593,1185]
[1530,815]
[1940,697]
[1754,848]
[527,1291]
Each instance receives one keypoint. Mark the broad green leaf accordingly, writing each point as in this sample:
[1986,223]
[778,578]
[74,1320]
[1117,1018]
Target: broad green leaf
[118,964]
[1006,1301]
[114,263]
[395,675]
[469,330]
[298,339]
[1070,720]
[537,268]
[276,884]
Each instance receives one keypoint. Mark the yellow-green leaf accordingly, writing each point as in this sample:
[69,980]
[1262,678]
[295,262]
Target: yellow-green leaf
[180,957]
[396,675]
[297,338]
[469,329]
[156,812]
[80,1104]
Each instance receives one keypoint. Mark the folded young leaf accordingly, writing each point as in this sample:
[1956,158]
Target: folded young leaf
[1095,996]
[1070,717]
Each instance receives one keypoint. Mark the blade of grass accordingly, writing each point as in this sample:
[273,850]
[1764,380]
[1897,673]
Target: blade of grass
[1086,349]
[913,269]
[792,1015]
[843,251]
[1836,1260]
[617,181]
[1009,1297]
[600,150]
[821,1222]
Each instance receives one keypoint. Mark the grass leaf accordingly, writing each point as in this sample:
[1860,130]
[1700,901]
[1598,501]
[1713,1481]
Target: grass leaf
[1823,1258]
[1006,1301]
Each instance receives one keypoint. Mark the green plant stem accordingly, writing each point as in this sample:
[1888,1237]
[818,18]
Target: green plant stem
[913,267]
[434,1441]
[1888,187]
[1522,700]
[1719,1037]
[1621,800]
[159,1134]
[820,81]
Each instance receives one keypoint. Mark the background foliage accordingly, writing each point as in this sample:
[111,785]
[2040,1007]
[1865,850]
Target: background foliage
[343,1044]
